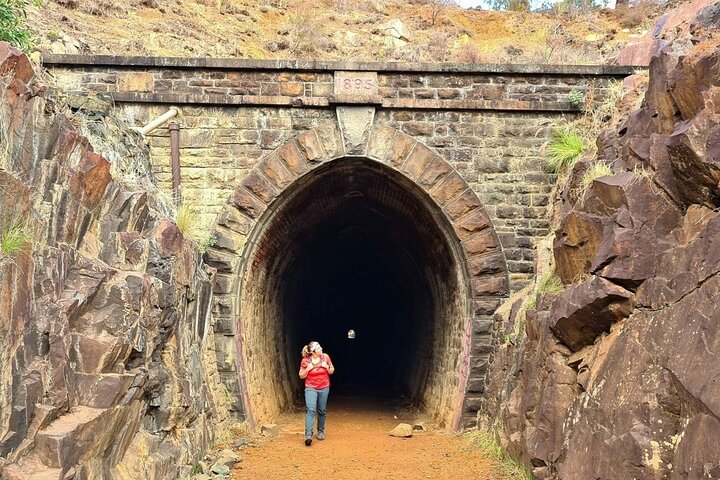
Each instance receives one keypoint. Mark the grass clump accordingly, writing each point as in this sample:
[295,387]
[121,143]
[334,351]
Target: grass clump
[563,150]
[548,283]
[596,170]
[14,236]
[486,442]
[13,24]
[189,224]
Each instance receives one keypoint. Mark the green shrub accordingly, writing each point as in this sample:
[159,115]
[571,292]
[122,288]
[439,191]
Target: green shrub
[13,24]
[577,99]
[564,149]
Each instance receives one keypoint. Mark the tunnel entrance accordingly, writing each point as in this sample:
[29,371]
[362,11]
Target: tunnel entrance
[354,245]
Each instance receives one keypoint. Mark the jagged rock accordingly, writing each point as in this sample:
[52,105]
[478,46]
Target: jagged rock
[682,269]
[642,220]
[102,337]
[634,395]
[402,430]
[582,312]
[669,27]
[576,243]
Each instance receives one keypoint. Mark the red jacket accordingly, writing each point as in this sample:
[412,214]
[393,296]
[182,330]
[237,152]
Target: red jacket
[317,378]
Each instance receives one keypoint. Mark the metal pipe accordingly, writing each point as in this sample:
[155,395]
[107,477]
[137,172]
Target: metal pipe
[175,159]
[158,121]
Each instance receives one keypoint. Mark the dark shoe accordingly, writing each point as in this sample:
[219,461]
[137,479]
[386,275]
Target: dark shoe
[308,441]
[321,436]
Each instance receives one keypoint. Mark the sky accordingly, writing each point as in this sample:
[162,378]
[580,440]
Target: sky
[484,4]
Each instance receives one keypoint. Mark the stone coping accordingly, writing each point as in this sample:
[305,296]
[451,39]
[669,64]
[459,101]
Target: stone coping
[49,59]
[318,102]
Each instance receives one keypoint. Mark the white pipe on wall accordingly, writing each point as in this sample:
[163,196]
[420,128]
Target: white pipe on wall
[158,121]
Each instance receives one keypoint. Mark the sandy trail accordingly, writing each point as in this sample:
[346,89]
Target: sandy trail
[358,447]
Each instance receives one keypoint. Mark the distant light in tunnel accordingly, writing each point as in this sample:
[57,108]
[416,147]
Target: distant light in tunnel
[351,334]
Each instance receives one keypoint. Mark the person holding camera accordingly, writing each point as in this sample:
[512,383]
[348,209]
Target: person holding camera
[315,368]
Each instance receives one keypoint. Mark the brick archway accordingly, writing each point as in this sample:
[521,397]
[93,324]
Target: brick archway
[247,349]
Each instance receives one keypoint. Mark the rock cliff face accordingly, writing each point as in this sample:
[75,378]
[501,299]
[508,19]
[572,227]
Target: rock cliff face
[105,365]
[616,376]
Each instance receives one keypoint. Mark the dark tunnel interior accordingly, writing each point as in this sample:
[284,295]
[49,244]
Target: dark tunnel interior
[358,247]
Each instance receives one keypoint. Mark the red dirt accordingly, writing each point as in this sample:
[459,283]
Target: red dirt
[359,447]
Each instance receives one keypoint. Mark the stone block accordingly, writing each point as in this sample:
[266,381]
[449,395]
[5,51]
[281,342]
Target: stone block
[355,125]
[476,385]
[247,203]
[291,155]
[484,264]
[235,221]
[136,82]
[485,306]
[260,186]
[451,186]
[223,261]
[276,171]
[226,239]
[490,285]
[482,324]
[463,204]
[476,221]
[331,140]
[311,147]
[224,284]
[417,160]
[291,89]
[418,129]
[225,325]
[226,353]
[400,148]
[473,402]
[435,171]
[381,138]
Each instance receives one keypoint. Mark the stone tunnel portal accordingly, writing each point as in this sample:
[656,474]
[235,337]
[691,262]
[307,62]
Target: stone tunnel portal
[355,245]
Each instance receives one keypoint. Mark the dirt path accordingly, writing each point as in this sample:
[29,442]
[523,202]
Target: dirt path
[358,447]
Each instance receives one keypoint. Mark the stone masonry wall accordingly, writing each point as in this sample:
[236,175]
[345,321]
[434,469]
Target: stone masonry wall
[490,122]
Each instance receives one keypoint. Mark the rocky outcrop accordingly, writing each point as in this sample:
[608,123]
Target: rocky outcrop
[615,376]
[107,365]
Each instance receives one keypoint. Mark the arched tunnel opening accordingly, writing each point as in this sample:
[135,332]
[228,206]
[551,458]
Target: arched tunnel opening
[355,246]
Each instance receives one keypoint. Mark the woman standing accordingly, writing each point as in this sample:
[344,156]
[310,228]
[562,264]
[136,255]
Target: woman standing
[315,368]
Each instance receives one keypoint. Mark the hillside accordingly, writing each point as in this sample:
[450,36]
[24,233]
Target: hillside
[385,30]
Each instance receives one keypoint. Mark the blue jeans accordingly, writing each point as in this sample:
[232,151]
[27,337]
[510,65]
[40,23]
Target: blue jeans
[315,401]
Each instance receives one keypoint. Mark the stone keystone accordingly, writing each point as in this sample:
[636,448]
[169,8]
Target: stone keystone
[355,124]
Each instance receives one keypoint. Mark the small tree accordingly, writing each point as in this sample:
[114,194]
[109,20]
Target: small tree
[436,8]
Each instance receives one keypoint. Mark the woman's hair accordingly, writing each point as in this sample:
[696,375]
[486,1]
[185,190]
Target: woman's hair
[307,349]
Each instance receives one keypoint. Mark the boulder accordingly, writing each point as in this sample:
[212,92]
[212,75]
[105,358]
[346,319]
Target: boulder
[404,430]
[582,312]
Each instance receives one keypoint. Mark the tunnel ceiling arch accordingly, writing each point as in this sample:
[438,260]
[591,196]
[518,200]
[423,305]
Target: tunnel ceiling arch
[338,206]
